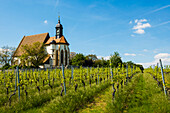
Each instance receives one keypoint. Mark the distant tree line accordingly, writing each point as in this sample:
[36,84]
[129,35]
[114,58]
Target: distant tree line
[91,60]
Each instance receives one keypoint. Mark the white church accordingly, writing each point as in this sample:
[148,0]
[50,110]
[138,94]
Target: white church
[57,48]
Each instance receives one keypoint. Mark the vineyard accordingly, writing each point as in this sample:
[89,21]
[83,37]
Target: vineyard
[70,90]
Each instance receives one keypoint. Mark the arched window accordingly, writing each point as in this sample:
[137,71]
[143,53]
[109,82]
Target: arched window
[56,57]
[61,57]
[65,57]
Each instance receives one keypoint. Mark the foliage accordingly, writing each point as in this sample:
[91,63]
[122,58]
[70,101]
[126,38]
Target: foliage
[92,57]
[131,63]
[41,86]
[92,61]
[101,63]
[157,75]
[78,60]
[6,53]
[6,66]
[115,59]
[34,53]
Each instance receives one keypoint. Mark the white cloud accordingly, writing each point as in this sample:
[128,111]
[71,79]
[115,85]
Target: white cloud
[130,22]
[140,26]
[45,22]
[104,57]
[139,31]
[142,20]
[128,54]
[136,20]
[132,35]
[165,57]
[145,50]
[162,55]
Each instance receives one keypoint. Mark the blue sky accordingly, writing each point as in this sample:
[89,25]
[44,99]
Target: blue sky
[138,29]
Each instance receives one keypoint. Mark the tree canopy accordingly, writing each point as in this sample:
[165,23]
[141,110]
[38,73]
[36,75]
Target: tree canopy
[6,53]
[34,54]
[91,60]
[78,60]
[115,59]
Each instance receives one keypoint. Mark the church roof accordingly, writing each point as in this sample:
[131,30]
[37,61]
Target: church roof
[53,42]
[42,38]
[60,40]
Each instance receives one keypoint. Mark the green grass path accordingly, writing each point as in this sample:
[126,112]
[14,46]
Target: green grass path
[142,95]
[99,103]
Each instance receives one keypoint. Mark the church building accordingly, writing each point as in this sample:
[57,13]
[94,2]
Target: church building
[57,48]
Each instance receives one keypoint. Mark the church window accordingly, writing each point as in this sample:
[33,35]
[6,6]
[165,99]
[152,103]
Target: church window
[61,56]
[65,57]
[57,58]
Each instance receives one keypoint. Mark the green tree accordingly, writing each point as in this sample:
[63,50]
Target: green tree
[130,63]
[6,53]
[115,59]
[78,60]
[92,57]
[34,54]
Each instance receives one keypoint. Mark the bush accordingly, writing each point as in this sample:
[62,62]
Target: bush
[6,66]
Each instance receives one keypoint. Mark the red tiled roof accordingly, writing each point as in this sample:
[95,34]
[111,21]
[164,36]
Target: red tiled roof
[42,38]
[60,40]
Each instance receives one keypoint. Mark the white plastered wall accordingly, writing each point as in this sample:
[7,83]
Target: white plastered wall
[53,47]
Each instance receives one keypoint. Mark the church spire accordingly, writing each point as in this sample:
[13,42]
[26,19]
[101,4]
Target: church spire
[59,19]
[59,29]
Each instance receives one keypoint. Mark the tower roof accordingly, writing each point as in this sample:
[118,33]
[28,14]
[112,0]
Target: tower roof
[53,42]
[58,24]
[61,40]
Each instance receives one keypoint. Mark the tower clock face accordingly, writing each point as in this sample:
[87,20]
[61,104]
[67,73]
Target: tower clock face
[58,31]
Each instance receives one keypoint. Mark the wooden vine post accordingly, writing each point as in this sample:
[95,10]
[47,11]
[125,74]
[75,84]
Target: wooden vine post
[127,73]
[163,80]
[72,73]
[64,79]
[157,71]
[4,77]
[98,73]
[16,80]
[48,72]
[18,83]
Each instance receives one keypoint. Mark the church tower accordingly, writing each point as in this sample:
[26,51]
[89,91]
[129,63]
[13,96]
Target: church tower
[59,29]
[58,47]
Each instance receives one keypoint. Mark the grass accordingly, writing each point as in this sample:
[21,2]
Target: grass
[142,95]
[73,101]
[99,103]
